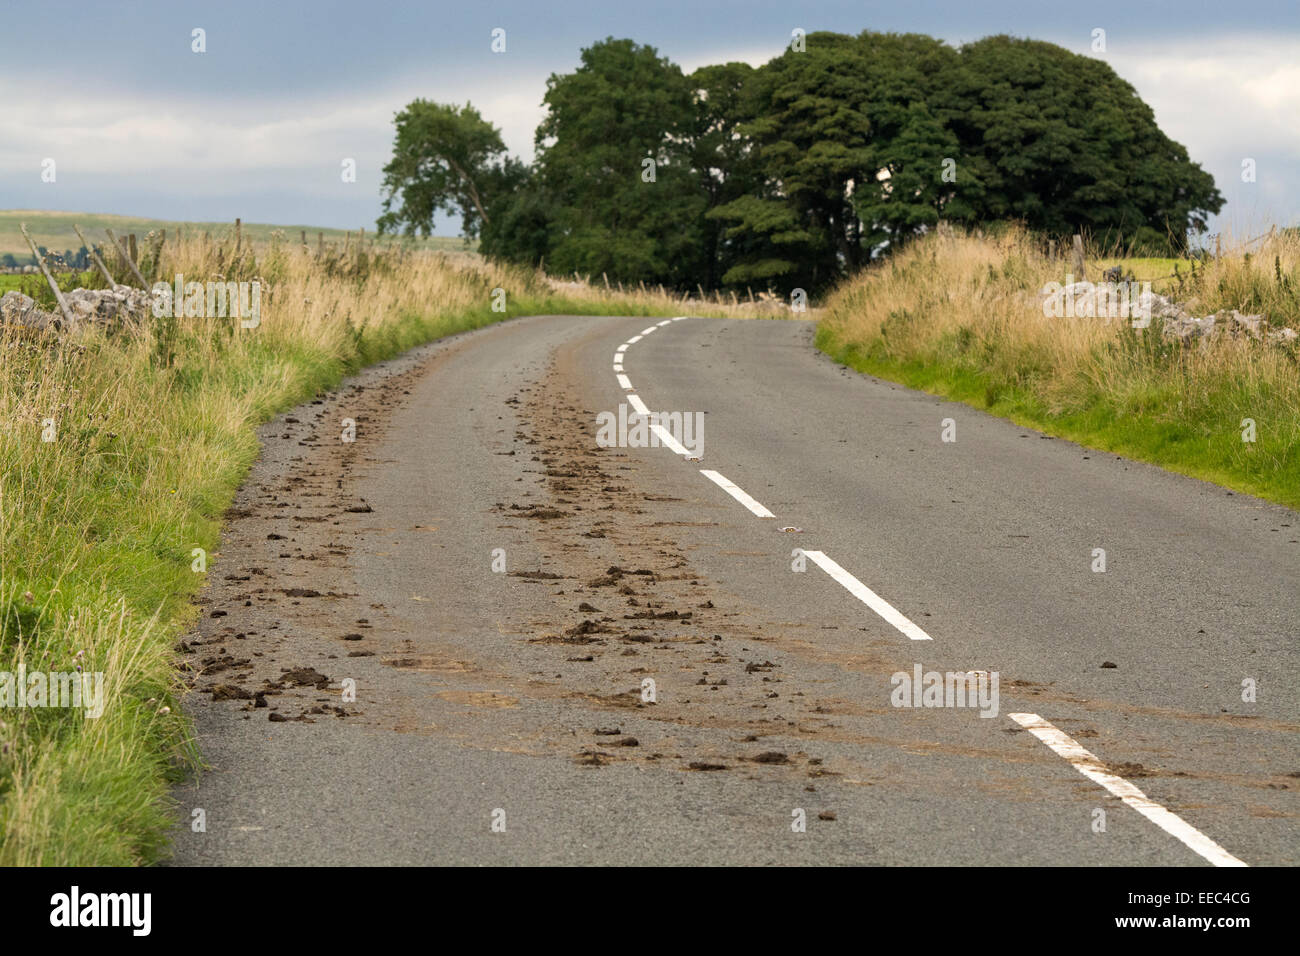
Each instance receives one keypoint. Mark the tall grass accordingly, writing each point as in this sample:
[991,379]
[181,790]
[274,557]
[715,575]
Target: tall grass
[958,315]
[153,429]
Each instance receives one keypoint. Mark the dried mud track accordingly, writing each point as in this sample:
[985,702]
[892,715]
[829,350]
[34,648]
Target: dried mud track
[433,644]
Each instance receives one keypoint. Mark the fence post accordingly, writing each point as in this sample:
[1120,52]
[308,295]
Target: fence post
[130,263]
[1080,272]
[103,269]
[54,286]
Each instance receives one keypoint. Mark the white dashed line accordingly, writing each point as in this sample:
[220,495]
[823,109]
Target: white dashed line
[1062,744]
[668,441]
[868,597]
[1092,768]
[736,492]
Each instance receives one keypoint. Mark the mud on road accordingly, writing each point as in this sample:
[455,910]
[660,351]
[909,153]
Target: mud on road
[612,613]
[496,586]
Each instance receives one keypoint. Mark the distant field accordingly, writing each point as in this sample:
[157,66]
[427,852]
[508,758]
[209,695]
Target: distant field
[54,230]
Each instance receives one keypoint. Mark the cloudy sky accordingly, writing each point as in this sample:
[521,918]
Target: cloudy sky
[258,125]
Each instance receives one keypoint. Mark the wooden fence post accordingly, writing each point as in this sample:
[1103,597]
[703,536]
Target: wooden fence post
[54,286]
[1081,273]
[94,256]
[121,251]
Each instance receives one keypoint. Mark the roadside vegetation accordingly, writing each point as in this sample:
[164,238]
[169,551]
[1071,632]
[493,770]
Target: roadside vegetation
[151,431]
[959,316]
[53,230]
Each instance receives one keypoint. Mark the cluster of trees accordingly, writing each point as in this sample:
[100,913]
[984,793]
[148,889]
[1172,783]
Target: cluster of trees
[796,172]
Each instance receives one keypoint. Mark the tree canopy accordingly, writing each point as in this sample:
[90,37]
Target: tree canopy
[796,172]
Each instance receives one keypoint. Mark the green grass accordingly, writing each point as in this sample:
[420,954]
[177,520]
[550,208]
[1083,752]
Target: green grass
[54,231]
[97,528]
[1147,428]
[35,285]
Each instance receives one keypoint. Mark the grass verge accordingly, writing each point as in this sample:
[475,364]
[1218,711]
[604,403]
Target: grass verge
[118,455]
[958,316]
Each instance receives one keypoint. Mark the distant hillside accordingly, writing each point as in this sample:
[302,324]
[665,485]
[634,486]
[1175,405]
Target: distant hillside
[54,230]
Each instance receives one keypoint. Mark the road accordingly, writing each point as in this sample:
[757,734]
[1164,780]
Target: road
[497,587]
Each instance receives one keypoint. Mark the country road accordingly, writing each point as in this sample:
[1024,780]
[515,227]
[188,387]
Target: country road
[499,713]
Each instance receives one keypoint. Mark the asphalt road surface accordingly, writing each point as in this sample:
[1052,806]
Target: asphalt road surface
[463,630]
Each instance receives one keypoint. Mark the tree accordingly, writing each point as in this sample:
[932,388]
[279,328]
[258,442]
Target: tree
[905,191]
[723,159]
[613,159]
[448,159]
[809,137]
[521,219]
[1062,143]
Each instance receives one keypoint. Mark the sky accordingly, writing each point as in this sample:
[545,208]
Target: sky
[258,126]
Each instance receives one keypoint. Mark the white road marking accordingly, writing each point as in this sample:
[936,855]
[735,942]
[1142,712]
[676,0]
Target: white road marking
[1092,768]
[1062,744]
[666,438]
[868,597]
[649,330]
[680,318]
[736,492]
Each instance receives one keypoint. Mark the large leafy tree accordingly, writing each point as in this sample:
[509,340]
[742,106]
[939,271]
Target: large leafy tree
[612,212]
[912,176]
[851,153]
[449,159]
[1064,144]
[724,160]
[810,137]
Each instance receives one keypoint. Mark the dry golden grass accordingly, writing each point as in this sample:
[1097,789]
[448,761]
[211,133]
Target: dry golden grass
[152,429]
[960,316]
